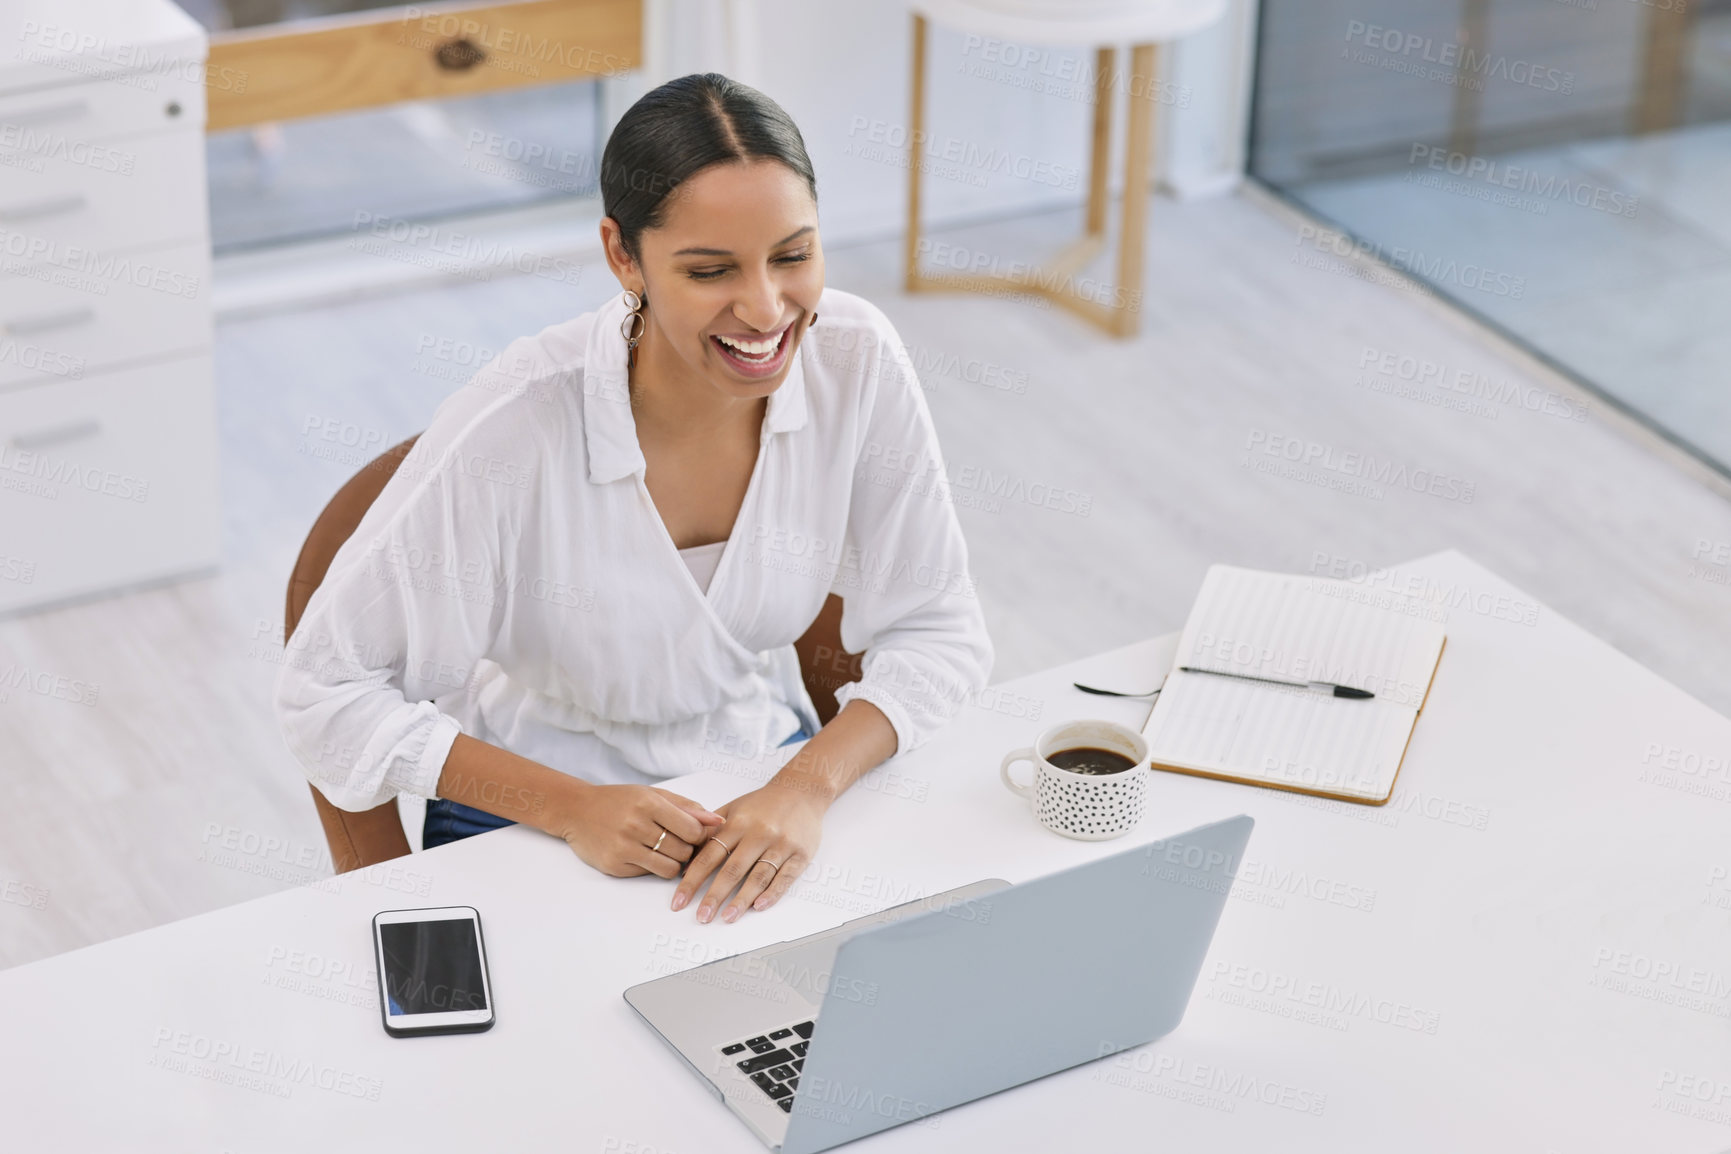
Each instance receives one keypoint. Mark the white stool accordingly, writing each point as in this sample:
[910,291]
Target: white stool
[1143,23]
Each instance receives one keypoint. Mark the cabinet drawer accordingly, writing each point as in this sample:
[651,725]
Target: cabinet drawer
[60,323]
[107,482]
[46,120]
[59,210]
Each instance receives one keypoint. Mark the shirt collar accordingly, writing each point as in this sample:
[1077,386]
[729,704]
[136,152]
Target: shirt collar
[609,427]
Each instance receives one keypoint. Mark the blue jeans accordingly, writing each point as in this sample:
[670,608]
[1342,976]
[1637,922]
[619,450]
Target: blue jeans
[449,821]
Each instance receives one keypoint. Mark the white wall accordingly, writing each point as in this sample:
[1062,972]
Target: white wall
[1205,141]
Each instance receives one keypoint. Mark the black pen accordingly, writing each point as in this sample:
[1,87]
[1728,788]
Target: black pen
[1314,686]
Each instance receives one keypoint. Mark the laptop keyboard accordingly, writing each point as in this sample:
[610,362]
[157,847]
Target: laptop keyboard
[773,1061]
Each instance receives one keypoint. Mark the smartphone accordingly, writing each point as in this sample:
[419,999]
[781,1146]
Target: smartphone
[432,971]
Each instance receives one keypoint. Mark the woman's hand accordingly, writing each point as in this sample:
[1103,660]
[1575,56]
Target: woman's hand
[769,837]
[615,828]
[771,833]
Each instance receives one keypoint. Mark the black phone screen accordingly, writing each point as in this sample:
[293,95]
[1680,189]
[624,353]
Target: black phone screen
[432,967]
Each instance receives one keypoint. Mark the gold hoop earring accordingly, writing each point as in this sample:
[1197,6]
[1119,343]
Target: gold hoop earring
[633,332]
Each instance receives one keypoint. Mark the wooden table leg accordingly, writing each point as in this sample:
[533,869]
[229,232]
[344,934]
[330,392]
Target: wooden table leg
[1100,151]
[1468,101]
[1121,315]
[1138,154]
[1664,69]
[916,138]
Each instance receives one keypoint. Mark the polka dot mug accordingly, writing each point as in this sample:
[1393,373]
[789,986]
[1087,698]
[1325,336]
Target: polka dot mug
[1085,806]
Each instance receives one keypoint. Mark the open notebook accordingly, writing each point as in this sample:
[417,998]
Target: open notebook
[1293,628]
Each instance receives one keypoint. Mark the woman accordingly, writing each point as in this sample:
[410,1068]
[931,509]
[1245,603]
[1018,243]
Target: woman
[589,573]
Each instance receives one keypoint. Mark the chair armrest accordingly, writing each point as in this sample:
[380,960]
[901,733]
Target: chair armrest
[358,840]
[823,664]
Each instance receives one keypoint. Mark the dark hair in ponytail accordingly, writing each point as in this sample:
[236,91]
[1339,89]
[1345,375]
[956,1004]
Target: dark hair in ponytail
[680,129]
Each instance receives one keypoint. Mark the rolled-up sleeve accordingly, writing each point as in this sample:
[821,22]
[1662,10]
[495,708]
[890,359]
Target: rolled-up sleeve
[909,601]
[424,574]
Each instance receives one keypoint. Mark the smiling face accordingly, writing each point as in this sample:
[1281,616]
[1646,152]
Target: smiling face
[731,277]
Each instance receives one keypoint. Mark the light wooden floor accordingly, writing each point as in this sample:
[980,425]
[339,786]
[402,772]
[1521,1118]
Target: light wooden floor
[173,794]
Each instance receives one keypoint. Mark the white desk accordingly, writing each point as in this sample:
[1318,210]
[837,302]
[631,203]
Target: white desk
[1517,897]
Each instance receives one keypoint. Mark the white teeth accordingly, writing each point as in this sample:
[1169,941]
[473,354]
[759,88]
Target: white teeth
[756,349]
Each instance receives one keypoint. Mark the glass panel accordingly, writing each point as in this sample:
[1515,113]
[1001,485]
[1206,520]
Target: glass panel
[1558,167]
[435,158]
[218,15]
[302,179]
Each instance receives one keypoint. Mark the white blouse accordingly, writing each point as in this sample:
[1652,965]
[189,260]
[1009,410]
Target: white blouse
[515,582]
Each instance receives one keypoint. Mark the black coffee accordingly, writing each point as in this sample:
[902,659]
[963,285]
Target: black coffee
[1087,759]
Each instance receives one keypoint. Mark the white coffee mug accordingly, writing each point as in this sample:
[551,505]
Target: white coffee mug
[1085,806]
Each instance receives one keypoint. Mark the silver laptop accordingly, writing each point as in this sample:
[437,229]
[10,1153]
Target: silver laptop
[892,1017]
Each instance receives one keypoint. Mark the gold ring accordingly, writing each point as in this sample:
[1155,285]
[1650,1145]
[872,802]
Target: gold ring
[656,848]
[722,844]
[774,865]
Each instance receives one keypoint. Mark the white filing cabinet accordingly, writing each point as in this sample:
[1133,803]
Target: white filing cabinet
[108,443]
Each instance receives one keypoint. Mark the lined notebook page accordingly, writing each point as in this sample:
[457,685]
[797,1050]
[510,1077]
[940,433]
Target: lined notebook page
[1294,629]
[1286,736]
[1308,629]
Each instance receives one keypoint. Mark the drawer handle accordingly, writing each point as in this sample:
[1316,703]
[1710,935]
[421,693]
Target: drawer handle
[42,113]
[48,322]
[57,434]
[459,55]
[50,206]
